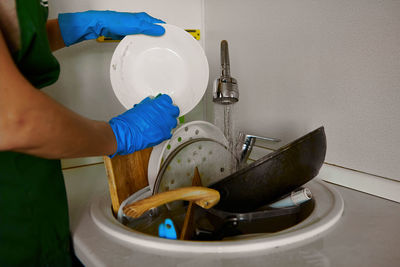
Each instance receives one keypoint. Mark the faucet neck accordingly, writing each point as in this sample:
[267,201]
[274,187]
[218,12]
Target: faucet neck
[225,65]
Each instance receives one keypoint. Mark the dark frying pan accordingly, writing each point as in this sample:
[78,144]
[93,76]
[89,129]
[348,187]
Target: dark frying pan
[274,175]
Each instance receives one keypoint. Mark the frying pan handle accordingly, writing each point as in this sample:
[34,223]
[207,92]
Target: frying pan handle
[202,196]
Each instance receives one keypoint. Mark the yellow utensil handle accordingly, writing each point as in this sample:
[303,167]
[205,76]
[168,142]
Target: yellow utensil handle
[103,39]
[202,196]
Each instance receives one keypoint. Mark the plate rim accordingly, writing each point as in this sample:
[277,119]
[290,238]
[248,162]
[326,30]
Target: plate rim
[119,90]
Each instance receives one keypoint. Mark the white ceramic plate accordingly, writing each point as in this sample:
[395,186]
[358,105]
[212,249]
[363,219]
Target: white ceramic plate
[173,64]
[184,133]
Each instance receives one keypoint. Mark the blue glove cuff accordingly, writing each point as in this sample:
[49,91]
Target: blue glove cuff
[72,27]
[122,133]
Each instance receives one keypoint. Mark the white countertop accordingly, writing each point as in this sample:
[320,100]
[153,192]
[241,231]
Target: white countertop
[367,235]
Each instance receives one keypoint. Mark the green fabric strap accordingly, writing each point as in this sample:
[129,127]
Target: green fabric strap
[34,59]
[34,227]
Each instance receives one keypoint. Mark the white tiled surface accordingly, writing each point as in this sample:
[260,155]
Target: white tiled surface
[378,186]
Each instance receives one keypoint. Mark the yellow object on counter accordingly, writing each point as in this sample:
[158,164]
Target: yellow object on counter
[103,39]
[194,32]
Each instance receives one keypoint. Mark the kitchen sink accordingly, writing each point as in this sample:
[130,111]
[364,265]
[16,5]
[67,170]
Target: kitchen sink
[327,211]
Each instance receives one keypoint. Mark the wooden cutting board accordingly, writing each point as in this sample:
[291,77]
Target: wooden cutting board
[126,175]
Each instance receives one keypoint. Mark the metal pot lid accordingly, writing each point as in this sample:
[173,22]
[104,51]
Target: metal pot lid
[212,158]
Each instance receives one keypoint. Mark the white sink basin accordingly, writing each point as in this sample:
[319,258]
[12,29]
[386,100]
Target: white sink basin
[328,210]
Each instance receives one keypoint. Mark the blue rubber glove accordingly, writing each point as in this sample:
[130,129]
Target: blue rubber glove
[146,124]
[80,26]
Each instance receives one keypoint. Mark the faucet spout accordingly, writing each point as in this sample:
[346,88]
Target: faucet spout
[246,143]
[225,87]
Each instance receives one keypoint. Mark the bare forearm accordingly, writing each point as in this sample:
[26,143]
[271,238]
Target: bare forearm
[49,130]
[31,122]
[54,35]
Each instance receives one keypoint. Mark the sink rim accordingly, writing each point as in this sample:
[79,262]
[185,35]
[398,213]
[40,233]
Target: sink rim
[327,212]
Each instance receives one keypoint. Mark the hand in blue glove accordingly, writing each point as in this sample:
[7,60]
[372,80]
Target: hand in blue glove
[147,124]
[80,26]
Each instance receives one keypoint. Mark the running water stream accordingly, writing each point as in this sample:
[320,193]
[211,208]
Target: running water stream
[224,119]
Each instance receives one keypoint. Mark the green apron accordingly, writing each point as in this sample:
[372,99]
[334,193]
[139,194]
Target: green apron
[34,227]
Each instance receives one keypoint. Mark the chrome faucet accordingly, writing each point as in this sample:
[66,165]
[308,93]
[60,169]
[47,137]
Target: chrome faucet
[225,87]
[246,143]
[226,92]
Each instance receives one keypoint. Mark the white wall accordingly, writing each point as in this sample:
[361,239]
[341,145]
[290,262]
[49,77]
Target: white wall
[302,63]
[299,64]
[84,83]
